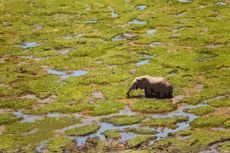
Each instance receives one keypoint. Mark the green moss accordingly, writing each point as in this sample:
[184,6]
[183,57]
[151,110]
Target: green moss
[112,134]
[227,124]
[201,110]
[17,103]
[153,106]
[43,87]
[184,132]
[224,147]
[106,107]
[8,118]
[198,141]
[5,91]
[209,122]
[165,122]
[7,142]
[135,142]
[141,131]
[224,102]
[59,108]
[21,128]
[123,120]
[83,130]
[58,144]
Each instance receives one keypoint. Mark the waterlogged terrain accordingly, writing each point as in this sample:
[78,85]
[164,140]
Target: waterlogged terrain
[66,67]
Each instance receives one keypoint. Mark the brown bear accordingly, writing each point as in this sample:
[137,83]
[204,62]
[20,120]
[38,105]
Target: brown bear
[157,87]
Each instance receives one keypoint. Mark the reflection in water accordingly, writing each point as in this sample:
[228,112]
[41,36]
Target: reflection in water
[28,45]
[220,3]
[141,7]
[114,14]
[65,75]
[137,22]
[162,132]
[151,32]
[142,62]
[27,118]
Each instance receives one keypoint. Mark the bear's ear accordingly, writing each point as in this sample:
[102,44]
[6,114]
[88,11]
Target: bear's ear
[138,80]
[144,79]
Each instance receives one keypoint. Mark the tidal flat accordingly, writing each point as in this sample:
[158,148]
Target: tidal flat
[66,67]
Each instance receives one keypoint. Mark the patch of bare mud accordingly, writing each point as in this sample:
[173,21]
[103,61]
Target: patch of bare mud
[2,129]
[177,99]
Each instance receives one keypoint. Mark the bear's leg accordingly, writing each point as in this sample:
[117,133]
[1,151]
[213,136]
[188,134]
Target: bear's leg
[157,94]
[148,93]
[161,95]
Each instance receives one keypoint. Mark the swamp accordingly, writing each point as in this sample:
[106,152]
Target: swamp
[66,66]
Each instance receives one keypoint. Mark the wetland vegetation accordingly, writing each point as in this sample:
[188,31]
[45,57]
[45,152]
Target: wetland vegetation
[66,66]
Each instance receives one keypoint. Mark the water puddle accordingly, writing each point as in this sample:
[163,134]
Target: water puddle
[124,36]
[114,14]
[151,32]
[127,135]
[180,126]
[27,118]
[28,45]
[55,115]
[146,61]
[98,95]
[41,147]
[220,3]
[138,22]
[104,127]
[91,21]
[154,44]
[185,1]
[141,7]
[142,62]
[64,75]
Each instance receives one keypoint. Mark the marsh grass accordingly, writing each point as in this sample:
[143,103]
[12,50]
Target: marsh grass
[153,106]
[201,110]
[83,130]
[210,121]
[123,120]
[17,103]
[194,43]
[112,134]
[165,122]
